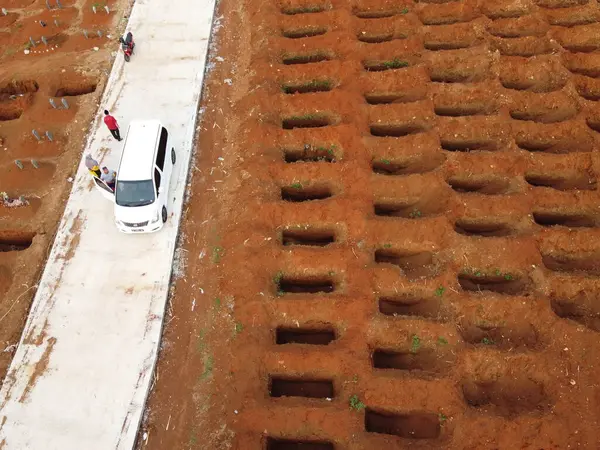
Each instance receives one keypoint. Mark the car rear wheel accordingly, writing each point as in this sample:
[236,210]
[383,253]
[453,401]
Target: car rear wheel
[173,159]
[164,214]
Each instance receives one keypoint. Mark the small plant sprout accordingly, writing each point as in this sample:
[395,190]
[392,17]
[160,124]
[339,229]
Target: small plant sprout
[387,162]
[387,245]
[498,272]
[356,404]
[443,418]
[296,185]
[508,277]
[238,328]
[487,341]
[415,213]
[440,291]
[442,340]
[415,344]
[217,254]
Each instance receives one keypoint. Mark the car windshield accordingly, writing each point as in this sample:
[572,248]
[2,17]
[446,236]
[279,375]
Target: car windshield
[135,193]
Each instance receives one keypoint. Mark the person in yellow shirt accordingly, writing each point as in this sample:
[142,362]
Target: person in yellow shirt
[93,166]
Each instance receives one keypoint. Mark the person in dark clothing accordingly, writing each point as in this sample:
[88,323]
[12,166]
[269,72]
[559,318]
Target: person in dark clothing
[112,125]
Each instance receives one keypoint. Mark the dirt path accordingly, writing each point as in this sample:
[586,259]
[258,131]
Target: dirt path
[391,237]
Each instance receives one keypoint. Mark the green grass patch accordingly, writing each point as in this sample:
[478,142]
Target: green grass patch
[200,344]
[304,9]
[309,86]
[440,291]
[395,64]
[208,367]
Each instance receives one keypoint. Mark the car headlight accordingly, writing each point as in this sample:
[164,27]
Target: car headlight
[156,218]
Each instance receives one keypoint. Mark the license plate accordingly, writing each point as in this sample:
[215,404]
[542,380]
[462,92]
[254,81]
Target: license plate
[137,230]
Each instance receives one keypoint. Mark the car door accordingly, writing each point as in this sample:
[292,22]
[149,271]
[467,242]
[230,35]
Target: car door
[164,159]
[103,188]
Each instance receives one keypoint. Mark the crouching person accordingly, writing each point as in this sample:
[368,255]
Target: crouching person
[109,177]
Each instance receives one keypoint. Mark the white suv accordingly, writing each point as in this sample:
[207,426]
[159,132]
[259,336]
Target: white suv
[143,178]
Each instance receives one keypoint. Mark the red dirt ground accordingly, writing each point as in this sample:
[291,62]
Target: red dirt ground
[449,224]
[67,68]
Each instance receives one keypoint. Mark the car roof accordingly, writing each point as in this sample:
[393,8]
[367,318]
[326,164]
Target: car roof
[137,160]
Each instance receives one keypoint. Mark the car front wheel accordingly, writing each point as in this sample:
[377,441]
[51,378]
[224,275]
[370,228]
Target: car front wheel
[164,214]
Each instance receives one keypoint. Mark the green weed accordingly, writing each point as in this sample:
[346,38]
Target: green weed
[217,254]
[277,280]
[387,245]
[442,340]
[440,291]
[415,344]
[443,418]
[296,185]
[404,11]
[415,213]
[238,328]
[487,341]
[356,404]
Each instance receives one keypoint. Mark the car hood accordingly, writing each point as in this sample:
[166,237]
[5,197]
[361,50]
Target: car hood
[136,214]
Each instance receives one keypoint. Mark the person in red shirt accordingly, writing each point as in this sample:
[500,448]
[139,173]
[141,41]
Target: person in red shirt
[112,125]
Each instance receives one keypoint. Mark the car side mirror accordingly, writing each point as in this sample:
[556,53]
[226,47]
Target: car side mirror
[160,190]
